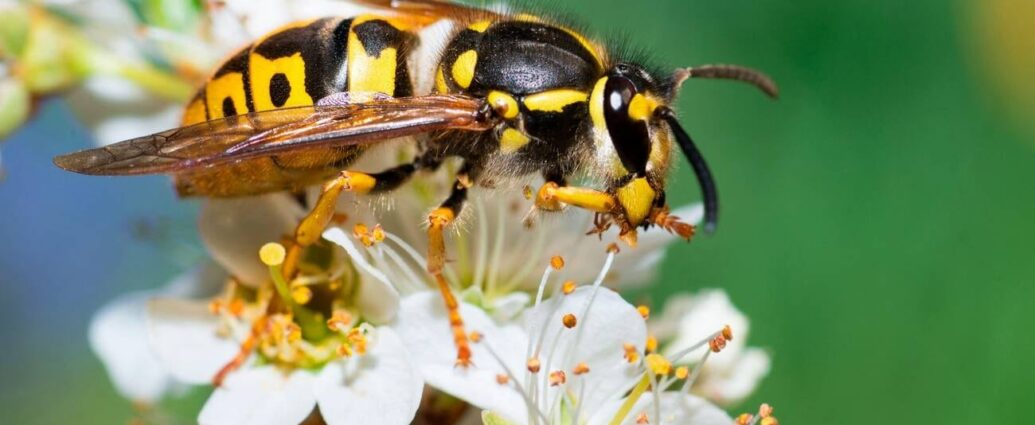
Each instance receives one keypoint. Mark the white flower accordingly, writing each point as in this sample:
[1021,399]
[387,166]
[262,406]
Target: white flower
[380,386]
[569,359]
[724,379]
[118,335]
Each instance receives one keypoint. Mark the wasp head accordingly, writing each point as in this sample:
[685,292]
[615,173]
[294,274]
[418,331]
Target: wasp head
[634,128]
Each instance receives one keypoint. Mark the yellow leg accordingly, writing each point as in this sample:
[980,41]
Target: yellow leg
[437,222]
[551,197]
[310,228]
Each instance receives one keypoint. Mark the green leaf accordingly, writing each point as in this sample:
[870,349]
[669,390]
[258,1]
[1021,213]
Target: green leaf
[14,106]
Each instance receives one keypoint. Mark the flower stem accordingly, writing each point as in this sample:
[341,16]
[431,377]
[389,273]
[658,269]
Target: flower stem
[627,406]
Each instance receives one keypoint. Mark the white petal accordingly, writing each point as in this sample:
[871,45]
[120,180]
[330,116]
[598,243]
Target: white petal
[118,335]
[708,312]
[377,299]
[183,335]
[234,229]
[424,328]
[261,396]
[735,384]
[507,307]
[382,387]
[677,408]
[610,323]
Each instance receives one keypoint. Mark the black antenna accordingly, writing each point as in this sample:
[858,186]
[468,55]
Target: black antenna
[704,175]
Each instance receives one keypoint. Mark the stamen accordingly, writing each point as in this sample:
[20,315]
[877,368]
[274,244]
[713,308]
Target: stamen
[557,262]
[744,419]
[533,365]
[502,379]
[641,419]
[476,337]
[644,311]
[378,233]
[765,410]
[557,377]
[527,192]
[658,364]
[682,372]
[580,369]
[569,320]
[631,355]
[568,287]
[727,333]
[769,421]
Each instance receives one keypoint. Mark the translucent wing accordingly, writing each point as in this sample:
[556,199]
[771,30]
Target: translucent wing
[290,131]
[436,9]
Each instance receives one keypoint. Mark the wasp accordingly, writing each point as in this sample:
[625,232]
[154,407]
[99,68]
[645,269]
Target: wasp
[508,94]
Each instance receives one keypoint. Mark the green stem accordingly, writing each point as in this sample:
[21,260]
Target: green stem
[637,391]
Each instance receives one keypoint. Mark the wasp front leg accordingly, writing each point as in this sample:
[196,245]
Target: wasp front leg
[441,217]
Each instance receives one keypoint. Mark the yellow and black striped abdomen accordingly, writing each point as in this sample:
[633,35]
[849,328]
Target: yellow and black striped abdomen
[297,66]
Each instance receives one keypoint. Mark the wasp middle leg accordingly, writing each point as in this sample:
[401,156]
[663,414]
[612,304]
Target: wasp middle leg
[438,220]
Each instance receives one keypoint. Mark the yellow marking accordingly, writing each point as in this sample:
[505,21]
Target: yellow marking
[228,85]
[195,112]
[637,198]
[512,140]
[480,26]
[504,102]
[463,68]
[262,70]
[554,100]
[596,105]
[368,73]
[440,81]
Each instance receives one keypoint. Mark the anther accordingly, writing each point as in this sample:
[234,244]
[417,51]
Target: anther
[272,254]
[301,294]
[612,248]
[533,365]
[765,410]
[527,192]
[727,333]
[644,311]
[652,344]
[631,355]
[378,233]
[569,320]
[769,421]
[236,307]
[744,419]
[475,337]
[215,306]
[339,321]
[580,369]
[658,364]
[568,287]
[717,343]
[502,379]
[557,262]
[641,419]
[682,372]
[361,232]
[557,377]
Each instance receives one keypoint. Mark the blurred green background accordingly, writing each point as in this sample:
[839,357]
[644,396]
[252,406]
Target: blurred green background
[878,220]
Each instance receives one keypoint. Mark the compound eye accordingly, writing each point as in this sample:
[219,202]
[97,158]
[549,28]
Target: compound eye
[630,136]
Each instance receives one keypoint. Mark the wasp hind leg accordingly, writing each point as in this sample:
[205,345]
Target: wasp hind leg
[437,221]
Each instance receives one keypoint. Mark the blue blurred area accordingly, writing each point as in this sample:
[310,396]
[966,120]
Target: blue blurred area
[70,243]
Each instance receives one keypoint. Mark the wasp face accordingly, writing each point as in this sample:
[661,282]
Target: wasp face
[632,144]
